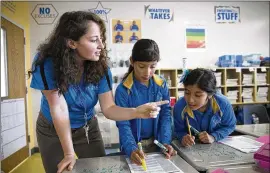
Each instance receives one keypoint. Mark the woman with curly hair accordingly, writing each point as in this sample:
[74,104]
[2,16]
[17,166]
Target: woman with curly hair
[71,71]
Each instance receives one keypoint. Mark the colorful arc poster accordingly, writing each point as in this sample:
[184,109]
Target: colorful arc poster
[195,38]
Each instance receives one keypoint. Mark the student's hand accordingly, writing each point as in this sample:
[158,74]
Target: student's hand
[170,152]
[137,156]
[206,138]
[67,163]
[188,140]
[149,110]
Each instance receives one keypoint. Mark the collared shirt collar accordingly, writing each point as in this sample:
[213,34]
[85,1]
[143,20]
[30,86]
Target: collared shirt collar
[128,83]
[214,105]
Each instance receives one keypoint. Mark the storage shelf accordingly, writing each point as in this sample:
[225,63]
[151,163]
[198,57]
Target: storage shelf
[242,103]
[232,86]
[263,85]
[226,73]
[248,85]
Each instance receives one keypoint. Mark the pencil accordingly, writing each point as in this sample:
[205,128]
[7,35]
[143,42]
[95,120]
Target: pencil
[188,126]
[143,160]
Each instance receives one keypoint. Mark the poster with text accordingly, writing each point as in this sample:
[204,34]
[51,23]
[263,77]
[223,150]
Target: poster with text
[227,14]
[195,38]
[125,31]
[158,13]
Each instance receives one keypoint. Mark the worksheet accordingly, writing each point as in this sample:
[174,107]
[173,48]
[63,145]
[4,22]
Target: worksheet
[242,143]
[155,163]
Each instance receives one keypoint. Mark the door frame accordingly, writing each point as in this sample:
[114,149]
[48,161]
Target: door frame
[26,93]
[18,25]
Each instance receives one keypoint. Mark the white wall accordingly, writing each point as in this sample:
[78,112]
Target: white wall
[249,36]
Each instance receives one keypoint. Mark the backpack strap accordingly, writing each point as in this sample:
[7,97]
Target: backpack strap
[108,80]
[43,76]
[46,84]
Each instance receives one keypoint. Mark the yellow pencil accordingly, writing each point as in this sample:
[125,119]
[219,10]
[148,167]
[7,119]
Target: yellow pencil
[188,126]
[143,160]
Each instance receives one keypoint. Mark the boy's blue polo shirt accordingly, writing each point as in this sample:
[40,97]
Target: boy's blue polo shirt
[118,27]
[133,38]
[118,38]
[134,28]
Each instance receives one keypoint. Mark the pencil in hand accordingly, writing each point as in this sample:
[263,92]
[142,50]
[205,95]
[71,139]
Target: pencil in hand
[188,126]
[189,131]
[143,160]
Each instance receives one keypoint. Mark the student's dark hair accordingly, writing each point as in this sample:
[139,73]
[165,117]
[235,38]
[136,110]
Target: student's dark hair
[203,78]
[72,25]
[143,50]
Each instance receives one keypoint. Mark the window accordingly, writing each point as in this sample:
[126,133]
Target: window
[4,77]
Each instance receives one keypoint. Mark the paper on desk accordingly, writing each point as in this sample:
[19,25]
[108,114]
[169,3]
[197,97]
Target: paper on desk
[242,143]
[156,163]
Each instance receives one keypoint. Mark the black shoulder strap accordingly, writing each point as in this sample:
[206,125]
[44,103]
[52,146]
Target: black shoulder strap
[43,76]
[108,80]
[46,84]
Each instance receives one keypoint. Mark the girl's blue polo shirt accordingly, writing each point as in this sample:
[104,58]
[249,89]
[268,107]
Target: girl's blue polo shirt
[78,100]
[147,126]
[203,118]
[218,120]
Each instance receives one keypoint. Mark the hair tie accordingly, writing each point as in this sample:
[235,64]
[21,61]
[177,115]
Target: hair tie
[184,76]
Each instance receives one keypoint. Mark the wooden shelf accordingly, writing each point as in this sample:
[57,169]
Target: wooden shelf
[226,73]
[242,103]
[232,86]
[263,85]
[263,102]
[248,85]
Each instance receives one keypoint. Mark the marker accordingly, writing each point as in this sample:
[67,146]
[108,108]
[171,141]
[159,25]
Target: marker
[143,160]
[196,132]
[163,148]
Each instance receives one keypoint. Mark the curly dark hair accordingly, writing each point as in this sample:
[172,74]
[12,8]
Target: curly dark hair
[72,25]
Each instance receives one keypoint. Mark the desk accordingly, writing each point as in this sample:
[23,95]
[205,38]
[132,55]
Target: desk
[252,168]
[118,164]
[255,130]
[205,156]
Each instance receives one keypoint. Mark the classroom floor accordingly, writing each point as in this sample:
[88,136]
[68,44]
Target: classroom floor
[34,163]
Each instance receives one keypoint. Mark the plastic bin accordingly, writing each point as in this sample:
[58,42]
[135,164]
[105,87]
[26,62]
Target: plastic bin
[227,61]
[252,60]
[239,60]
[262,157]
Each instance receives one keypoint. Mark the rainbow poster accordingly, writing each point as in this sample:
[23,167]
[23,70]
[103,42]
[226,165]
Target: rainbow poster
[195,38]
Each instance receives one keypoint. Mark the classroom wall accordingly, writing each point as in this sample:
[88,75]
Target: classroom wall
[251,35]
[18,13]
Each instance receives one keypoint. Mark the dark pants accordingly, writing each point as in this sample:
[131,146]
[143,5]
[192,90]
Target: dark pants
[149,146]
[51,149]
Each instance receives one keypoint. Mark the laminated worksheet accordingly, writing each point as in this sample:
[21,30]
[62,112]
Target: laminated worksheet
[156,163]
[242,143]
